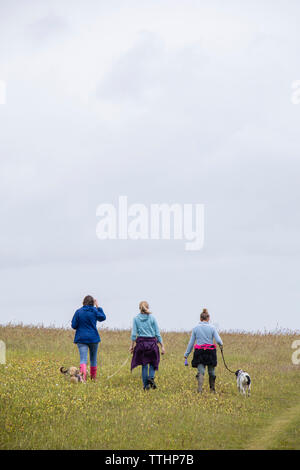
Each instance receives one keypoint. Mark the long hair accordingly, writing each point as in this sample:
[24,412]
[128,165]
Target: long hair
[204,315]
[144,307]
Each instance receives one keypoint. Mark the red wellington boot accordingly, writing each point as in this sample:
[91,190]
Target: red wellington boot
[93,372]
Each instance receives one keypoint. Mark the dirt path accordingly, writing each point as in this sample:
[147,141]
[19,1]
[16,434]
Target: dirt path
[266,437]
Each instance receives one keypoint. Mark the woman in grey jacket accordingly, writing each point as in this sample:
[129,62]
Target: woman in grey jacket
[205,353]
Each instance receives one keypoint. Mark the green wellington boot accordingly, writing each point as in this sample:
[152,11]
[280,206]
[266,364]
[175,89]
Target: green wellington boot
[200,379]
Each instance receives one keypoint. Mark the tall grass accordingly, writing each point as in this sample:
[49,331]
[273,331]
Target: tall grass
[40,409]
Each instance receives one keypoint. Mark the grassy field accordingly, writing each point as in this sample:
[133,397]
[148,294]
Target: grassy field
[40,409]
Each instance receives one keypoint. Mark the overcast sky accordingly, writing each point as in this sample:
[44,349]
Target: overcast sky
[164,102]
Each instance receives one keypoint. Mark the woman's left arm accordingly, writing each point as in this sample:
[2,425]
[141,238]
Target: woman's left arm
[74,322]
[218,338]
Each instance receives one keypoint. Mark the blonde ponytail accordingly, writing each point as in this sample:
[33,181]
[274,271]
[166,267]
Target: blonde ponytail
[144,307]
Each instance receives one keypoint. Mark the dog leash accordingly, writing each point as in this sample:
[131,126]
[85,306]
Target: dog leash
[124,363]
[225,363]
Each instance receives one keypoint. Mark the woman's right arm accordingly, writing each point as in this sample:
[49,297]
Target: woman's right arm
[190,345]
[100,315]
[133,336]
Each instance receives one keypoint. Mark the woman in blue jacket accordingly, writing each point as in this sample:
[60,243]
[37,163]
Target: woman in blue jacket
[87,337]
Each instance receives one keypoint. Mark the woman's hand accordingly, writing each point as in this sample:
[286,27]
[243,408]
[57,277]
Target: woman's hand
[131,349]
[96,303]
[163,351]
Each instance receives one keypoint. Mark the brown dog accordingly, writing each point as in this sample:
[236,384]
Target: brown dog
[75,375]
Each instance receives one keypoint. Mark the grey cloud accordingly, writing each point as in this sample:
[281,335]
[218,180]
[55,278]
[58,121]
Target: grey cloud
[194,123]
[135,72]
[46,28]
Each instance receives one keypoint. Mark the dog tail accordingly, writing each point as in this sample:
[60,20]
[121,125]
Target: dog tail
[63,370]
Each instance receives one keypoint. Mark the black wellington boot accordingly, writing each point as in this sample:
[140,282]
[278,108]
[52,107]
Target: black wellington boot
[152,383]
[212,379]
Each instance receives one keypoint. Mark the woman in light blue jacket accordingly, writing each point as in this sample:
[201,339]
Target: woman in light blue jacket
[205,353]
[145,338]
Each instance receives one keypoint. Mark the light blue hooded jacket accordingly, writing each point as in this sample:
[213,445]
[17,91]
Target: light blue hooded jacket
[145,325]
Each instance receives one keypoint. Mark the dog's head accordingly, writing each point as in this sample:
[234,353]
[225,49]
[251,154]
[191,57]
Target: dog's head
[73,371]
[238,372]
[74,374]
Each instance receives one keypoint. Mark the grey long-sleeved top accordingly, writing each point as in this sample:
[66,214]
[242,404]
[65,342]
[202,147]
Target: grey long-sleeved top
[204,333]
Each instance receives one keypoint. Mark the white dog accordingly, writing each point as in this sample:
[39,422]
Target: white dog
[243,382]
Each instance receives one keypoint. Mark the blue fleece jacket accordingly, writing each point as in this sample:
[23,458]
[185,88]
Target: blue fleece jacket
[84,322]
[204,333]
[145,325]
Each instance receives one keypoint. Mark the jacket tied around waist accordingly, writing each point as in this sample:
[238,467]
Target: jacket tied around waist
[146,351]
[205,354]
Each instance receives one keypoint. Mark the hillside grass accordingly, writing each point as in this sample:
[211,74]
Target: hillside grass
[40,409]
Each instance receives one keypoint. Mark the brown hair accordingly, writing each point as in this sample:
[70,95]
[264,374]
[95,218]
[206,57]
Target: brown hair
[88,300]
[144,307]
[204,315]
